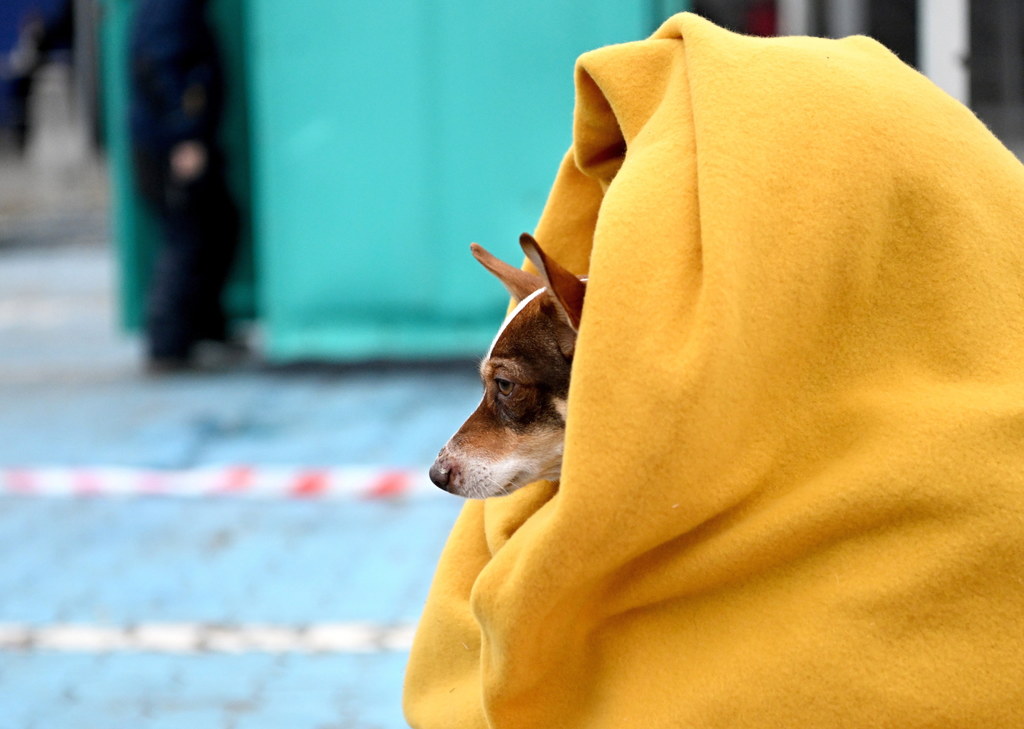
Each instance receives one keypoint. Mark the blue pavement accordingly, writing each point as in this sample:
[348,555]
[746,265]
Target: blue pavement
[397,416]
[288,562]
[109,562]
[71,394]
[150,691]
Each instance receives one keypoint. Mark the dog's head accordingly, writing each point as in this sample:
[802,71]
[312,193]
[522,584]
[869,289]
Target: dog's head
[516,434]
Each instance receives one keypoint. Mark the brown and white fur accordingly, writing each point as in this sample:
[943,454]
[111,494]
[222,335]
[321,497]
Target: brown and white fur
[516,434]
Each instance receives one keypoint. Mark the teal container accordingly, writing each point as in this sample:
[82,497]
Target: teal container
[369,144]
[386,138]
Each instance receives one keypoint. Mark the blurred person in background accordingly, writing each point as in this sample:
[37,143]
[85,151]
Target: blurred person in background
[46,28]
[177,92]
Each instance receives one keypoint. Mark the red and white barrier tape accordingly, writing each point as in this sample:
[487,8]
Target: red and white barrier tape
[227,482]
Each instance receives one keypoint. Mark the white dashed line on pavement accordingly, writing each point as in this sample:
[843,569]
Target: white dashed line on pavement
[204,638]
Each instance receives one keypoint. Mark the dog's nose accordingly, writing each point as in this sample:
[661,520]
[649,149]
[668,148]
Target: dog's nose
[440,474]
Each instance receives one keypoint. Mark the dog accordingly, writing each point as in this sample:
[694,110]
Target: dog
[516,434]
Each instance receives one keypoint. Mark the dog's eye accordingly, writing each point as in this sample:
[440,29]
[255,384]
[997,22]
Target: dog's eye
[505,387]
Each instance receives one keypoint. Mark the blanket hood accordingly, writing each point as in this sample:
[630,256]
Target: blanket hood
[793,483]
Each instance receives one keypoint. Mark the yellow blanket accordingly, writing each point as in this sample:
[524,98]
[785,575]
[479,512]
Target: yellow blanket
[793,488]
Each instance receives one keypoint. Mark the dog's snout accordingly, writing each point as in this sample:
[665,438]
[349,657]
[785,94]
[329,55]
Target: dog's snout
[440,474]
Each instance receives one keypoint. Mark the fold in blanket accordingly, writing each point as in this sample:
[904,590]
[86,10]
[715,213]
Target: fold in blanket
[793,484]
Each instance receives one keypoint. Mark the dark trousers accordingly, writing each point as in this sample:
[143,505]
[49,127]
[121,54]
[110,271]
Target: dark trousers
[199,224]
[20,89]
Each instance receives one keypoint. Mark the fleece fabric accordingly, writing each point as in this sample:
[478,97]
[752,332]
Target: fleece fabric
[793,485]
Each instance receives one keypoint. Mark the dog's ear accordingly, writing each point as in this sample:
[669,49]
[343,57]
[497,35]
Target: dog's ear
[519,283]
[566,289]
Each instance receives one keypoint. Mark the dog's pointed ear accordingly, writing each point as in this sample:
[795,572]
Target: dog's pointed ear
[566,289]
[519,283]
